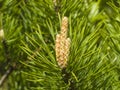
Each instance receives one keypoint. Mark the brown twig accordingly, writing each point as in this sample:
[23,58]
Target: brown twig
[7,63]
[4,77]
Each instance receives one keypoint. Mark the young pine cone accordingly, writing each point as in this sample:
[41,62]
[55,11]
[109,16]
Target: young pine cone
[62,44]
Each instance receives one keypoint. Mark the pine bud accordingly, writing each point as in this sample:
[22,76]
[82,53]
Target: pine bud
[1,34]
[55,2]
[62,44]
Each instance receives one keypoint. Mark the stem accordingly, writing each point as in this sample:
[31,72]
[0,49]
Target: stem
[7,63]
[66,75]
[57,5]
[67,79]
[4,77]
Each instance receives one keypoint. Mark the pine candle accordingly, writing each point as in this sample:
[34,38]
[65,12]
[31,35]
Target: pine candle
[1,34]
[62,44]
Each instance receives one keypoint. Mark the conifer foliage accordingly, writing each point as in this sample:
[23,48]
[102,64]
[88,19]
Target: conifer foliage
[59,44]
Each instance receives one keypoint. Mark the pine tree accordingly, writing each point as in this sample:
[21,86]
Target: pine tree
[59,44]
